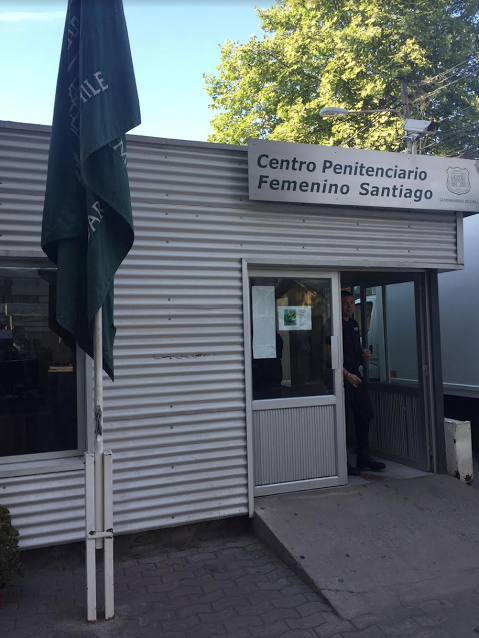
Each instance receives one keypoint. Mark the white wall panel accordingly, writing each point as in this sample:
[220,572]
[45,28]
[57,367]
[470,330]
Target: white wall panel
[294,444]
[48,509]
[175,417]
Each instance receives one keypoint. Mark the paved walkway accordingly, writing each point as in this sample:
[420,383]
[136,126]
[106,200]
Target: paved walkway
[226,587]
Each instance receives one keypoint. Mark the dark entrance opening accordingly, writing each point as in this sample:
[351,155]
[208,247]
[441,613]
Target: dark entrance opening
[391,313]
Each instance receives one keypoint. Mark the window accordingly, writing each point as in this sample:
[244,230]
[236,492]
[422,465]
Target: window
[391,332]
[38,389]
[291,320]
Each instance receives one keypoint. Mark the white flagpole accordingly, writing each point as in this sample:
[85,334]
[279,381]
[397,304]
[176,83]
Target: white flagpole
[100,479]
[90,540]
[98,420]
[108,521]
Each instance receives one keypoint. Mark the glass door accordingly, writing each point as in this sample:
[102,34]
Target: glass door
[297,405]
[392,314]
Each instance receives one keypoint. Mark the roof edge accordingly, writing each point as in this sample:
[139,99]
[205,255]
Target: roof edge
[145,139]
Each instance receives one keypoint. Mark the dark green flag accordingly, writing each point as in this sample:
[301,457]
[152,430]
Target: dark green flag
[87,222]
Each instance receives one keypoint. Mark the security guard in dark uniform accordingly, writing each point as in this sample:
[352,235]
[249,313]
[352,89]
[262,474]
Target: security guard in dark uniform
[356,395]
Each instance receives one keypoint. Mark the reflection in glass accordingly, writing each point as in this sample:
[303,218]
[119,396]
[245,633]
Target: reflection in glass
[375,335]
[291,323]
[401,333]
[391,333]
[37,367]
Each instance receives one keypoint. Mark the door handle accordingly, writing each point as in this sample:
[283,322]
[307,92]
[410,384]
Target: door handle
[334,352]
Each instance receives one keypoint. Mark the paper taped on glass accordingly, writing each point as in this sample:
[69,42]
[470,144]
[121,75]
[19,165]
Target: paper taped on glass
[294,317]
[264,322]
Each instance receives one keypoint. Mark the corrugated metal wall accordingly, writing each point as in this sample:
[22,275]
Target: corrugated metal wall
[294,444]
[175,417]
[23,162]
[397,430]
[48,509]
[192,202]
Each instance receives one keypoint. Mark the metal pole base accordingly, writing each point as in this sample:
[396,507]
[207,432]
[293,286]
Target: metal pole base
[93,535]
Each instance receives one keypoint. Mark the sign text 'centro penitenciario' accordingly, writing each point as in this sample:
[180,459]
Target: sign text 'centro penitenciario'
[282,171]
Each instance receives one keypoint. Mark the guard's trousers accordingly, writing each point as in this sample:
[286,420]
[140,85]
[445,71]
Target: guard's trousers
[358,400]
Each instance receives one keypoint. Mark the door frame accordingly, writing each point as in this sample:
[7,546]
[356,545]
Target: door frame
[423,349]
[275,269]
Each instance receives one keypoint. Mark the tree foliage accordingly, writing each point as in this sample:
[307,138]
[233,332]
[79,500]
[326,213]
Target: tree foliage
[10,564]
[352,54]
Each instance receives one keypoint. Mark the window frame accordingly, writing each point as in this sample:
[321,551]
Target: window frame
[269,403]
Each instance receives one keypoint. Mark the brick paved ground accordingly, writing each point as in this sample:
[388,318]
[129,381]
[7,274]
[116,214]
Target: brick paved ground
[231,586]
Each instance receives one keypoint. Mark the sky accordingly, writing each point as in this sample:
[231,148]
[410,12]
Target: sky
[173,42]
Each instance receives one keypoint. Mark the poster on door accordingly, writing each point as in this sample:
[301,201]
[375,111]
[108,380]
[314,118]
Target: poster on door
[264,329]
[294,317]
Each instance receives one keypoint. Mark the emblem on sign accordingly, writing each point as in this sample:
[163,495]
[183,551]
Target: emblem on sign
[458,180]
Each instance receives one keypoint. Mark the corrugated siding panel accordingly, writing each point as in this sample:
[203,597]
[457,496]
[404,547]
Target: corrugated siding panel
[23,169]
[175,417]
[397,429]
[294,444]
[48,509]
[202,195]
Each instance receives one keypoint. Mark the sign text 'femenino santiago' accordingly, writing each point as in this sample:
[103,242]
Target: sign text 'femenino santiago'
[287,172]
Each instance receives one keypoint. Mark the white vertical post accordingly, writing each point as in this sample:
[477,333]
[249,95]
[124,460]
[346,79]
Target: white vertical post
[99,493]
[98,419]
[89,540]
[108,519]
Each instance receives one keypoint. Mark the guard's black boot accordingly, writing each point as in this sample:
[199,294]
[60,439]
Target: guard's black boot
[352,471]
[367,462]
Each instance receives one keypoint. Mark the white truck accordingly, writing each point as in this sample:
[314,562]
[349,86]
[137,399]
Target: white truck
[459,316]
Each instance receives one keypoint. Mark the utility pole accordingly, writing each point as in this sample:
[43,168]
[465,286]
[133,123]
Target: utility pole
[406,107]
[411,140]
[413,129]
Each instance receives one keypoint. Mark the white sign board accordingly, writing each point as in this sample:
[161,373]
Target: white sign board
[287,172]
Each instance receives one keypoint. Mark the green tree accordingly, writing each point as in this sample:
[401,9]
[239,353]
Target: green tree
[353,54]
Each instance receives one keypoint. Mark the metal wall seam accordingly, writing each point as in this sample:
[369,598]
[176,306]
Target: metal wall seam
[175,417]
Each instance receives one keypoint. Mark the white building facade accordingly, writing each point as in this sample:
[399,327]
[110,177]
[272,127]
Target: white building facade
[190,441]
